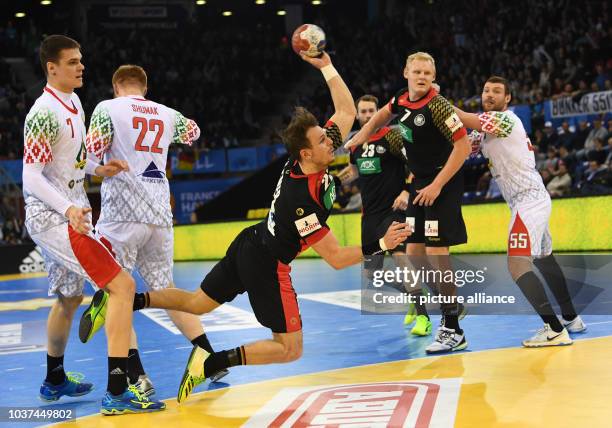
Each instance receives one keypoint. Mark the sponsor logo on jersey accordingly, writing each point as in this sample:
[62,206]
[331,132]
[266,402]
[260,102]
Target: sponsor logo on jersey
[429,402]
[81,158]
[453,122]
[419,120]
[431,228]
[33,262]
[329,197]
[307,225]
[380,150]
[406,132]
[153,172]
[367,166]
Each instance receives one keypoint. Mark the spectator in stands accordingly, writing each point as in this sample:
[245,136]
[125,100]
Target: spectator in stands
[601,76]
[598,131]
[546,176]
[599,152]
[566,136]
[609,156]
[561,183]
[581,135]
[550,137]
[552,159]
[567,158]
[596,179]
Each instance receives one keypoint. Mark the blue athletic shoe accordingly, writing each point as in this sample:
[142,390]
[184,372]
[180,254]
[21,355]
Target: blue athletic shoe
[72,387]
[131,401]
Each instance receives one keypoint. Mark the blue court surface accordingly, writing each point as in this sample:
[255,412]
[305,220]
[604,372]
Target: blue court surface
[336,335]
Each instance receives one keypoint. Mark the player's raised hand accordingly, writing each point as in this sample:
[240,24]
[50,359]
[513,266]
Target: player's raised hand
[112,167]
[427,195]
[79,220]
[356,140]
[396,234]
[401,202]
[318,62]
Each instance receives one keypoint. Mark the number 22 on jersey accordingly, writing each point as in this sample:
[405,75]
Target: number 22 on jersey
[144,126]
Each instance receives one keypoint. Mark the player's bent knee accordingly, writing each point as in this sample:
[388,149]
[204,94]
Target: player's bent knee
[519,266]
[70,304]
[292,352]
[292,345]
[122,285]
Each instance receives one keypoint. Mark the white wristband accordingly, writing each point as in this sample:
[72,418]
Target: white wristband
[381,243]
[329,72]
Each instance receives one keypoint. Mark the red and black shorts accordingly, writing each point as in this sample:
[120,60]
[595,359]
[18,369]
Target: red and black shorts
[248,266]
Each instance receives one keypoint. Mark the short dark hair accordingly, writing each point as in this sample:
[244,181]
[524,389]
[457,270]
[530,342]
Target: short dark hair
[366,97]
[51,47]
[502,80]
[294,135]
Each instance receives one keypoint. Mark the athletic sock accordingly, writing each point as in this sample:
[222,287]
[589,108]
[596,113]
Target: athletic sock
[202,342]
[533,289]
[141,301]
[552,273]
[117,375]
[452,322]
[135,368]
[224,359]
[55,370]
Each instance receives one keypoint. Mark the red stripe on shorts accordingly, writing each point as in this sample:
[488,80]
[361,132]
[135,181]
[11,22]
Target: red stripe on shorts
[288,299]
[519,243]
[95,259]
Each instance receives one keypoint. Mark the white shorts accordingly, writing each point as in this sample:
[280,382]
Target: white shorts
[72,258]
[146,247]
[528,232]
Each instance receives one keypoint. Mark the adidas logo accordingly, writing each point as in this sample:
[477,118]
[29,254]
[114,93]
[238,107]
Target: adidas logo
[117,371]
[33,262]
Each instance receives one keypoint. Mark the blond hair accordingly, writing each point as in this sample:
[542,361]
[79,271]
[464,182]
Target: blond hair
[421,56]
[130,74]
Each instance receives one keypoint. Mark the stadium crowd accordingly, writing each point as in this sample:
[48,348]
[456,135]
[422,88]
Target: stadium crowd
[557,49]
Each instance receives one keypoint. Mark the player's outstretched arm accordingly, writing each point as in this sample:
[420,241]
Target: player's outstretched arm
[344,105]
[470,120]
[340,257]
[381,118]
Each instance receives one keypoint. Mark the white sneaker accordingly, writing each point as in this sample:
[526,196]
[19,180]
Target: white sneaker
[145,386]
[574,326]
[547,337]
[447,340]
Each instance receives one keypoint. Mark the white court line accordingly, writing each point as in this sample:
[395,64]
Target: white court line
[598,322]
[83,359]
[347,329]
[15,369]
[316,332]
[587,324]
[151,352]
[378,325]
[184,347]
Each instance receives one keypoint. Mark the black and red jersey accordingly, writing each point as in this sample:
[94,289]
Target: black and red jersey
[300,207]
[381,164]
[430,127]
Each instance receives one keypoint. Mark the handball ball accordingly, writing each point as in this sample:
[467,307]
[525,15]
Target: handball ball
[308,38]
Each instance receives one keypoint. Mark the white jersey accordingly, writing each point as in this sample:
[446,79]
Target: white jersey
[139,131]
[511,160]
[54,134]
